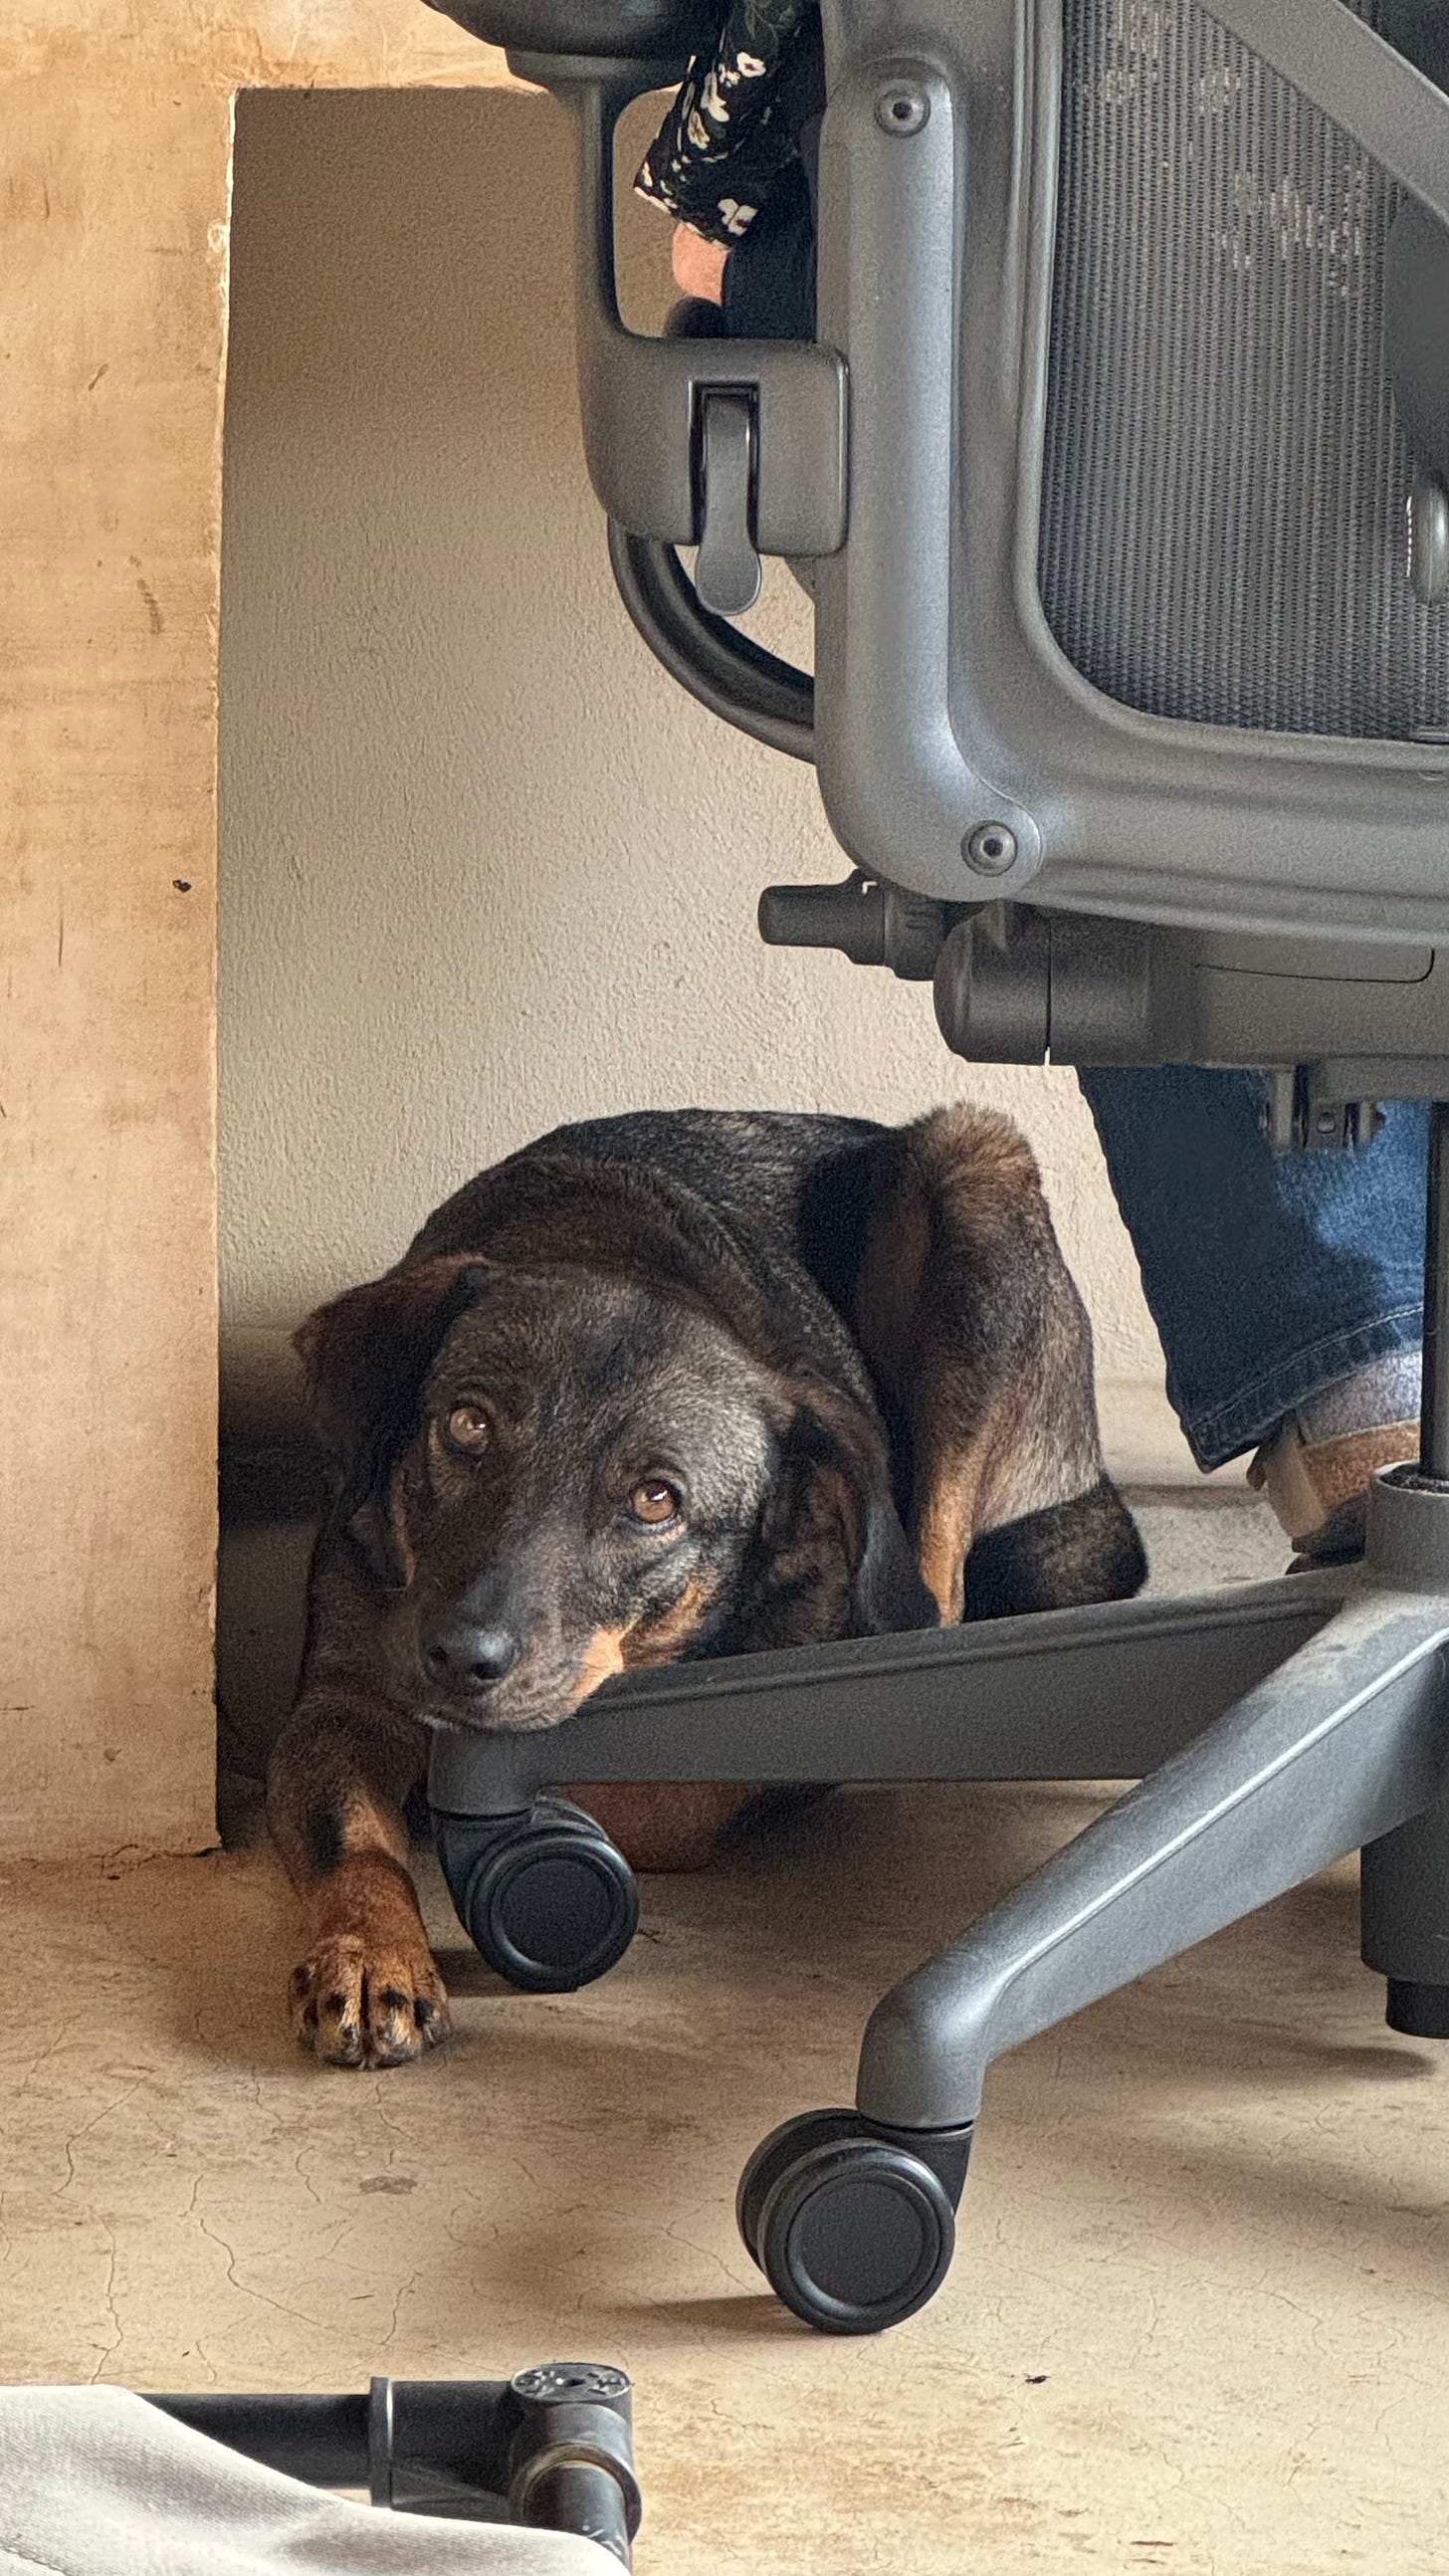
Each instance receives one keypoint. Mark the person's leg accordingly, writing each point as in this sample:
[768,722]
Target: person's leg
[1287,1288]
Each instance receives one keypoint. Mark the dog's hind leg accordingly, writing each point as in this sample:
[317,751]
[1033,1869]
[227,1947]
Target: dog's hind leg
[982,1349]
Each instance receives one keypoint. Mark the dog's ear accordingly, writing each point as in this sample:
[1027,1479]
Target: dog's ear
[843,1465]
[366,1356]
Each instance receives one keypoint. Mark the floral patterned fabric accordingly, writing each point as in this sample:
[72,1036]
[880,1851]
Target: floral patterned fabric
[726,138]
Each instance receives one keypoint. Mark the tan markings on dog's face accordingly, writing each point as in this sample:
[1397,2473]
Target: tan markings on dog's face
[602,1657]
[661,1638]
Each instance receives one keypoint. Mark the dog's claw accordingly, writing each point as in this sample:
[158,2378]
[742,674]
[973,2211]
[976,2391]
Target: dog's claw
[355,2007]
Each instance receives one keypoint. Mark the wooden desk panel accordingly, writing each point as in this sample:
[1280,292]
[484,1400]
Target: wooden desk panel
[115,144]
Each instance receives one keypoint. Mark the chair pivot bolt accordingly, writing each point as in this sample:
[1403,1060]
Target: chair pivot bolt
[901,108]
[990,849]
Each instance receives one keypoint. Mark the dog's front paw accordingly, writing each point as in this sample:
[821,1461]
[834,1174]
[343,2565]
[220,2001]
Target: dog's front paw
[361,2003]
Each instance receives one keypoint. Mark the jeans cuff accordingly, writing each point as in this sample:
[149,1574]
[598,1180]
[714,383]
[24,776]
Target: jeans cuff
[1224,1431]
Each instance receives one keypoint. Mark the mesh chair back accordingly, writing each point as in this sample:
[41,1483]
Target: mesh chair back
[1224,525]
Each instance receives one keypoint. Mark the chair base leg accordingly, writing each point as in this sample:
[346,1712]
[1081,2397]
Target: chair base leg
[850,2216]
[1339,1747]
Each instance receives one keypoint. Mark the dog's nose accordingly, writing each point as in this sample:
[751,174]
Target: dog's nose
[468,1659]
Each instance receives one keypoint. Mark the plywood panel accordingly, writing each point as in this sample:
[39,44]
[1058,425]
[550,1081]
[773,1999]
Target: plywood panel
[239,44]
[115,143]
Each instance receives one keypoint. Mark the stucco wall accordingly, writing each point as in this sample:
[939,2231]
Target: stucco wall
[483,867]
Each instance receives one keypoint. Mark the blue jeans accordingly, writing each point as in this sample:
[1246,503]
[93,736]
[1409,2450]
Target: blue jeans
[1268,1276]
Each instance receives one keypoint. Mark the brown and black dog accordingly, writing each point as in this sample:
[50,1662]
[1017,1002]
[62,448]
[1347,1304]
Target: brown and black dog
[659,1387]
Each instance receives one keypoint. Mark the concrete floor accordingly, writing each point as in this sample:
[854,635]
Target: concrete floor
[1199,2315]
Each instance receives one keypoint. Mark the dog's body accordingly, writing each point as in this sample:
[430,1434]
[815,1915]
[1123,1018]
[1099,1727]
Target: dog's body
[661,1387]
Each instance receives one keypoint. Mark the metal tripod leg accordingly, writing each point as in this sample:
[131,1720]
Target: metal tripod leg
[1341,1745]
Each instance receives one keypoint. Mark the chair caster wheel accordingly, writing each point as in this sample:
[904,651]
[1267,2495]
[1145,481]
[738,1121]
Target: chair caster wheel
[545,1896]
[853,2230]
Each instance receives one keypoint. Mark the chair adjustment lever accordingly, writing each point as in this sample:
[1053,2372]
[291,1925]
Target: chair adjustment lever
[727,567]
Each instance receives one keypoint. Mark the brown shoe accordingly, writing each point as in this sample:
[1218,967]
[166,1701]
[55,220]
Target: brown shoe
[1319,1488]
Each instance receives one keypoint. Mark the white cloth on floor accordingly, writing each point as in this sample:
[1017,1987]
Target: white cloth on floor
[94,2482]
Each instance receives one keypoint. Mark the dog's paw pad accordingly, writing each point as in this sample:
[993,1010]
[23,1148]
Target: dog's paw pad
[355,2005]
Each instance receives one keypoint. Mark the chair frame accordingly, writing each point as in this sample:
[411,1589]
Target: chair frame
[1275,1728]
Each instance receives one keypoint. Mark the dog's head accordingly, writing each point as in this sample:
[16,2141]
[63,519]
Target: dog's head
[566,1475]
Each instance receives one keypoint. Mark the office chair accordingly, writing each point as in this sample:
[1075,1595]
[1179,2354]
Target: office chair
[1131,710]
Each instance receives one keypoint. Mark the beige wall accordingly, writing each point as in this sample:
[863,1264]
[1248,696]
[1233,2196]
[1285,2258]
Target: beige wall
[483,867]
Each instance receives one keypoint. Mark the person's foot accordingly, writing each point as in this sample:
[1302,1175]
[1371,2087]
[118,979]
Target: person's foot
[1316,1469]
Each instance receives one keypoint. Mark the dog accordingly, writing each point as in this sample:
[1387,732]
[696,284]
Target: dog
[659,1387]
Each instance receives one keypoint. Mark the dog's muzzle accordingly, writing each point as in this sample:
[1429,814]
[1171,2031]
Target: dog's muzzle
[464,1660]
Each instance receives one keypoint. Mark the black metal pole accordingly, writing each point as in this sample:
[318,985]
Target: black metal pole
[1434,1389]
[554,2445]
[322,2440]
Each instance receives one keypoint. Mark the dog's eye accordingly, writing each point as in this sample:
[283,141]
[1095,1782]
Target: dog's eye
[654,1502]
[468,1428]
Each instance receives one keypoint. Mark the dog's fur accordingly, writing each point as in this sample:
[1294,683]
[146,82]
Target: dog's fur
[853,1353]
